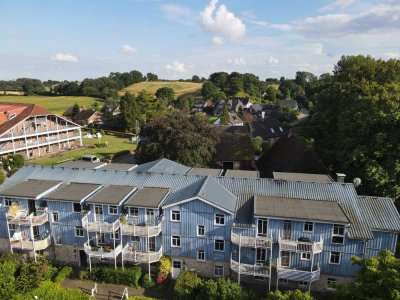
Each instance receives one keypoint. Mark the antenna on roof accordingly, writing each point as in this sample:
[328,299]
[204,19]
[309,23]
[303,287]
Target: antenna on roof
[357,181]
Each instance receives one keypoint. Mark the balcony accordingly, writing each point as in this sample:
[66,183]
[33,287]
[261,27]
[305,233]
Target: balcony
[148,229]
[102,251]
[129,253]
[298,275]
[251,241]
[249,269]
[17,216]
[36,245]
[99,225]
[300,246]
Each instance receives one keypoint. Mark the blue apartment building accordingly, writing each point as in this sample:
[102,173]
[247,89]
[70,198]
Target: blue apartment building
[276,232]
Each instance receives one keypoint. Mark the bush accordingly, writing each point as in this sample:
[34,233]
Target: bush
[164,266]
[140,298]
[148,281]
[84,275]
[161,279]
[224,289]
[289,295]
[128,276]
[101,145]
[119,154]
[186,285]
[32,273]
[64,273]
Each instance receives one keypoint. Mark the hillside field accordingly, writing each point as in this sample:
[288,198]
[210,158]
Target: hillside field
[56,105]
[180,88]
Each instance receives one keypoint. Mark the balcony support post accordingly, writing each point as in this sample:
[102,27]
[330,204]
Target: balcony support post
[90,263]
[240,246]
[33,240]
[114,238]
[270,263]
[312,265]
[9,235]
[279,258]
[148,246]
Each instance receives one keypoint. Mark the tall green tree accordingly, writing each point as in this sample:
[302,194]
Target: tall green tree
[165,93]
[208,90]
[224,117]
[152,77]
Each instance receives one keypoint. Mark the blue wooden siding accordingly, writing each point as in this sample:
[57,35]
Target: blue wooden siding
[107,217]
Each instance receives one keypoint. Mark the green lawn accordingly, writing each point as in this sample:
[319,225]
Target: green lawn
[180,88]
[56,105]
[115,144]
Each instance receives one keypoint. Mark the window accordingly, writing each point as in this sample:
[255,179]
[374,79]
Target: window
[35,230]
[335,258]
[219,245]
[55,217]
[303,283]
[219,219]
[200,230]
[12,227]
[101,239]
[338,234]
[176,241]
[98,209]
[113,210]
[201,255]
[116,235]
[77,207]
[135,239]
[262,226]
[58,240]
[134,212]
[79,231]
[308,226]
[331,283]
[7,201]
[218,271]
[261,254]
[175,215]
[283,281]
[272,130]
[305,256]
[285,258]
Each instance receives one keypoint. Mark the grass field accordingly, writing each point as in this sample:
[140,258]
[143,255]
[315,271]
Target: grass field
[56,105]
[180,88]
[115,144]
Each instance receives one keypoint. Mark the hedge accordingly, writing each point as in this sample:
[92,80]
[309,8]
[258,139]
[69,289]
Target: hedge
[148,281]
[64,273]
[128,276]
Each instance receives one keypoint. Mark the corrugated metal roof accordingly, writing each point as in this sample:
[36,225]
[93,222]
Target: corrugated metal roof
[112,194]
[204,171]
[81,164]
[302,177]
[148,197]
[243,188]
[162,166]
[242,173]
[118,166]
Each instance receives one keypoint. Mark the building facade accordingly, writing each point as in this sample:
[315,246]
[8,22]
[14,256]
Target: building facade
[32,131]
[273,232]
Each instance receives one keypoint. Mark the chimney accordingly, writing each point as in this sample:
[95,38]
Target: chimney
[340,177]
[263,115]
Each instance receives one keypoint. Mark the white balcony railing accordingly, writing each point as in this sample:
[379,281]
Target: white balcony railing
[17,216]
[99,225]
[300,246]
[298,275]
[153,228]
[251,241]
[29,244]
[102,251]
[129,253]
[249,269]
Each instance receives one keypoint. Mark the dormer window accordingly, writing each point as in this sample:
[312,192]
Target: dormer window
[338,234]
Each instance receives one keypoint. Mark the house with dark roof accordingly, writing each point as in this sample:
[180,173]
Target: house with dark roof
[88,116]
[270,129]
[234,120]
[33,131]
[294,231]
[234,104]
[290,103]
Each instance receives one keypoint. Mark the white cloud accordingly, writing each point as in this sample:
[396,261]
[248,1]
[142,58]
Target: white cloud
[128,49]
[176,66]
[237,61]
[273,60]
[341,4]
[64,57]
[221,21]
[389,55]
[177,13]
[265,24]
[217,40]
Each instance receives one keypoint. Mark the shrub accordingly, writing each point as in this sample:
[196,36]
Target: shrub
[50,290]
[164,266]
[140,298]
[101,145]
[186,285]
[289,295]
[31,274]
[84,275]
[148,281]
[102,132]
[7,279]
[128,276]
[229,290]
[64,273]
[161,279]
[208,289]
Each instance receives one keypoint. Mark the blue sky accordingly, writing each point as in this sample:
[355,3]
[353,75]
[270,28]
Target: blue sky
[75,39]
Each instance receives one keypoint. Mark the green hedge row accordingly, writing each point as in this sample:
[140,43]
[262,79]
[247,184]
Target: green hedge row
[64,273]
[129,276]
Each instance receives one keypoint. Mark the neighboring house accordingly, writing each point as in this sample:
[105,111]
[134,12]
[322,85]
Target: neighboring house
[33,131]
[268,128]
[274,232]
[264,110]
[290,154]
[198,107]
[290,103]
[234,120]
[234,104]
[112,109]
[88,116]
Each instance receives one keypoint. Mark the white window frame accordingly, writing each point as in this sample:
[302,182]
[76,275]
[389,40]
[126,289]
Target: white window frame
[7,201]
[57,240]
[290,256]
[261,251]
[219,216]
[116,233]
[201,257]
[219,267]
[136,209]
[101,238]
[329,282]
[223,245]
[175,212]
[12,227]
[100,207]
[55,213]
[204,230]
[112,207]
[337,234]
[175,238]
[308,224]
[79,228]
[330,258]
[305,256]
[283,281]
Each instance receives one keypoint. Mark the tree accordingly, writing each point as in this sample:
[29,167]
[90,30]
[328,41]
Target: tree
[186,285]
[187,140]
[270,93]
[7,280]
[208,90]
[165,93]
[152,77]
[185,102]
[257,144]
[235,83]
[196,79]
[224,117]
[75,110]
[133,109]
[289,295]
[220,80]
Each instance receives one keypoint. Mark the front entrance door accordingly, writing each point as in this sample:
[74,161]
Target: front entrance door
[176,268]
[262,227]
[152,244]
[150,216]
[82,258]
